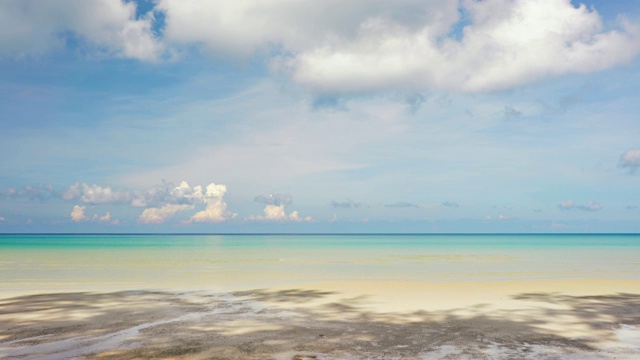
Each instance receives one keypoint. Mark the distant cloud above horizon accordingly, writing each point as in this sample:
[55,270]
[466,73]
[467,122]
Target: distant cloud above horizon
[345,204]
[274,199]
[451,204]
[401,204]
[570,204]
[630,160]
[184,197]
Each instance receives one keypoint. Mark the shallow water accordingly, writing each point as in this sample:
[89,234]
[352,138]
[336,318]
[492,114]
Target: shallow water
[227,262]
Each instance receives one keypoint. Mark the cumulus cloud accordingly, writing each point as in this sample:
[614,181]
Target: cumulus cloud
[570,204]
[335,46]
[184,197]
[505,44]
[77,214]
[162,201]
[37,26]
[241,28]
[354,46]
[346,204]
[278,213]
[155,195]
[630,160]
[216,210]
[401,204]
[343,46]
[105,218]
[161,214]
[274,209]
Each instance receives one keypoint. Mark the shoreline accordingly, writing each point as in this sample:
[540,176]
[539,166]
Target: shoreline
[560,318]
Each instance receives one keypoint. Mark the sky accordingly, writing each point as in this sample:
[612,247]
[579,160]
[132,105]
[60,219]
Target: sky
[325,116]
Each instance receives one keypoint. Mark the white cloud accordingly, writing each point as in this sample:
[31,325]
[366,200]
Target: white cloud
[77,214]
[630,159]
[278,213]
[275,209]
[95,194]
[240,28]
[275,213]
[344,46]
[216,210]
[183,197]
[361,46]
[294,216]
[37,26]
[507,43]
[106,217]
[566,204]
[590,206]
[2,218]
[161,214]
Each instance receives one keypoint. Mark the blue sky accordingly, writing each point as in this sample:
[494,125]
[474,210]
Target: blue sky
[319,116]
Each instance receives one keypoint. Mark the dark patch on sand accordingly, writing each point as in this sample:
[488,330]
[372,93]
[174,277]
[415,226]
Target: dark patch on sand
[142,325]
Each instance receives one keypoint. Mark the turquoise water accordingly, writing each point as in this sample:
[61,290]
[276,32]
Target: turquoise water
[222,262]
[322,241]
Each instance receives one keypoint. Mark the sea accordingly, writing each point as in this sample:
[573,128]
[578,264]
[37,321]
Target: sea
[33,263]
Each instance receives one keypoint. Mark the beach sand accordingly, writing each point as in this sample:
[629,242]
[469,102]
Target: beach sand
[512,319]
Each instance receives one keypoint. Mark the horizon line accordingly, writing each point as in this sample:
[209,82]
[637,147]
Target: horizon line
[323,233]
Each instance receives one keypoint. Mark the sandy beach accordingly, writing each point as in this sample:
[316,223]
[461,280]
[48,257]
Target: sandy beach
[525,319]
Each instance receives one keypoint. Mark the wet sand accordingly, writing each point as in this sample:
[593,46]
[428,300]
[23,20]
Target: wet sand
[514,319]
